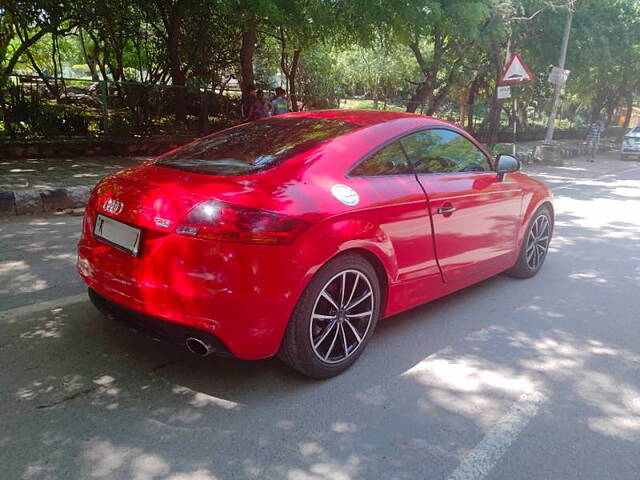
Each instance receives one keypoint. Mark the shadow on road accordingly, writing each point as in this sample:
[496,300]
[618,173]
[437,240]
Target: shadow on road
[86,397]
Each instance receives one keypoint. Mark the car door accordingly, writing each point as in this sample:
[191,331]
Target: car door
[475,215]
[397,204]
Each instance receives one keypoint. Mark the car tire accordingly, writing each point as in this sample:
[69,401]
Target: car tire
[325,336]
[534,249]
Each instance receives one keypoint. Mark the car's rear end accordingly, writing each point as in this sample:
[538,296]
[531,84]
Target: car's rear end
[187,242]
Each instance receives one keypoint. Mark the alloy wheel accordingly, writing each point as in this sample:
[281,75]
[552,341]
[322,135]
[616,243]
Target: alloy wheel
[538,242]
[341,316]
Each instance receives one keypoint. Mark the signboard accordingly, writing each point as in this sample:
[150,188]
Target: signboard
[516,71]
[504,92]
[558,76]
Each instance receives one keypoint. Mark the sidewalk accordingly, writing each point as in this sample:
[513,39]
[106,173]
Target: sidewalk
[35,186]
[32,186]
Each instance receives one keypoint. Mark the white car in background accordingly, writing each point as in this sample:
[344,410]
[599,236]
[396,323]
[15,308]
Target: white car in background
[631,144]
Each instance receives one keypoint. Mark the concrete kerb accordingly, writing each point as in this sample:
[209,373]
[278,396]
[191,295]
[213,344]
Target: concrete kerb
[25,202]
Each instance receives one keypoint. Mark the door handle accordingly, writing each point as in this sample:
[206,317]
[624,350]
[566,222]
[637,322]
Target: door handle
[447,210]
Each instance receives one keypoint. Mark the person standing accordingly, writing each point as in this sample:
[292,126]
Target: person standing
[593,139]
[280,104]
[263,106]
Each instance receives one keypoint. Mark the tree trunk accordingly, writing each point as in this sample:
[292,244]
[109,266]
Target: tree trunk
[178,77]
[223,85]
[375,95]
[89,59]
[437,100]
[629,112]
[494,112]
[471,103]
[612,106]
[293,72]
[521,116]
[423,91]
[596,107]
[462,106]
[246,55]
[41,74]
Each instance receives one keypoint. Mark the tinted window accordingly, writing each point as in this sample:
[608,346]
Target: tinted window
[443,151]
[391,160]
[254,146]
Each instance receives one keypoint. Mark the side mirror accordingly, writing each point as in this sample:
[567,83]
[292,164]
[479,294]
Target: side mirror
[506,164]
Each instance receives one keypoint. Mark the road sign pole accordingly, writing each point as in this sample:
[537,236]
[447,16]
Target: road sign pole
[556,97]
[515,121]
[515,72]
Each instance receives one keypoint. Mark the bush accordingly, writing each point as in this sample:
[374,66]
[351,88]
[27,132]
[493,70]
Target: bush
[34,117]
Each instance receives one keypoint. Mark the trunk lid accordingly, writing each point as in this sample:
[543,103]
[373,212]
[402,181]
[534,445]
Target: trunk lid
[158,198]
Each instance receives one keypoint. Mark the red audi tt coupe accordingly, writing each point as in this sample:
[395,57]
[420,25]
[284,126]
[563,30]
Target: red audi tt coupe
[294,235]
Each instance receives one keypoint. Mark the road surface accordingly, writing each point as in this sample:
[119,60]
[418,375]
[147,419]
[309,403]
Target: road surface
[508,379]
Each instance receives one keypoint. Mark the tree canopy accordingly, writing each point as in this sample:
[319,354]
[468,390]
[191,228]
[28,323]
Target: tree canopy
[440,57]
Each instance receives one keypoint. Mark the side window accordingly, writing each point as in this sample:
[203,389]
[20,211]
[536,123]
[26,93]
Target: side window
[391,160]
[444,151]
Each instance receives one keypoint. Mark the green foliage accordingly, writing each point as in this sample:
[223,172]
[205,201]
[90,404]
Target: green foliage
[430,55]
[318,79]
[35,118]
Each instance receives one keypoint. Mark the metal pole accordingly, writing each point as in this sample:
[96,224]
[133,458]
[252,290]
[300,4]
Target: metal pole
[204,111]
[515,122]
[556,97]
[104,93]
[513,96]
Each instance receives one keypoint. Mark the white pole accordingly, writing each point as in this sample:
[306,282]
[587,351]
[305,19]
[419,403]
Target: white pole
[556,97]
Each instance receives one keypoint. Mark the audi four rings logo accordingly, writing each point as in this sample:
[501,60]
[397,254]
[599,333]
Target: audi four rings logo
[113,206]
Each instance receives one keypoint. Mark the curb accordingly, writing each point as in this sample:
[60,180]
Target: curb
[25,202]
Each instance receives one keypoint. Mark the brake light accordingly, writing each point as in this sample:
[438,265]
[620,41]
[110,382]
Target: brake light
[217,220]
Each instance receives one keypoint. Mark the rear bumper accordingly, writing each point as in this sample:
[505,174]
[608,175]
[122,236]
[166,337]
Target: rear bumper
[242,295]
[155,327]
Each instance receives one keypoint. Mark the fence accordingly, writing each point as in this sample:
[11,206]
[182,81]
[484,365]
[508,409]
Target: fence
[36,107]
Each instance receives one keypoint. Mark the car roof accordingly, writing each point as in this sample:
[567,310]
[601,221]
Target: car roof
[362,118]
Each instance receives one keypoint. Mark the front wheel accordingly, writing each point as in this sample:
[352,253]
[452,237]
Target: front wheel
[535,245]
[334,318]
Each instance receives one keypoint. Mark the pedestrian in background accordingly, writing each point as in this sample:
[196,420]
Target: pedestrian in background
[280,103]
[263,106]
[593,139]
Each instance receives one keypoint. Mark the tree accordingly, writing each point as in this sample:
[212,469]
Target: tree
[27,22]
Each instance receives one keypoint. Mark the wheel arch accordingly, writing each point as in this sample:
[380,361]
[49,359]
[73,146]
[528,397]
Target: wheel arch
[536,200]
[381,272]
[548,203]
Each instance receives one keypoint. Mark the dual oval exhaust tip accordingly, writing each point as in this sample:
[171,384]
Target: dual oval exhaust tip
[198,347]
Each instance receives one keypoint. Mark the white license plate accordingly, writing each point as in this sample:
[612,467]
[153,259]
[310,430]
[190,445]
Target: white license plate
[118,234]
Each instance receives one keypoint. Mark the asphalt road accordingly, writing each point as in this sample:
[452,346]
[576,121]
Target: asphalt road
[508,379]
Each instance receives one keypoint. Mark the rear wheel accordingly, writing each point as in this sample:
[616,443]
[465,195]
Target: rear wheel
[535,245]
[334,318]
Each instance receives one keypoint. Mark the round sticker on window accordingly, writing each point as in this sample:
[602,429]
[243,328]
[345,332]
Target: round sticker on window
[345,194]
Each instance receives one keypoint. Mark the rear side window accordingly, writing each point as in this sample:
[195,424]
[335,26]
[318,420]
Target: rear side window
[391,160]
[255,146]
[444,151]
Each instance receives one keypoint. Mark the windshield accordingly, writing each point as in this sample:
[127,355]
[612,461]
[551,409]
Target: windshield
[255,146]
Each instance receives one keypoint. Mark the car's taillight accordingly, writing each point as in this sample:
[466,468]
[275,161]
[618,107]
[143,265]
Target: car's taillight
[217,220]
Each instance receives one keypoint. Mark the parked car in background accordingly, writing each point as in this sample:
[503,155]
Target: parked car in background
[294,235]
[630,144]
